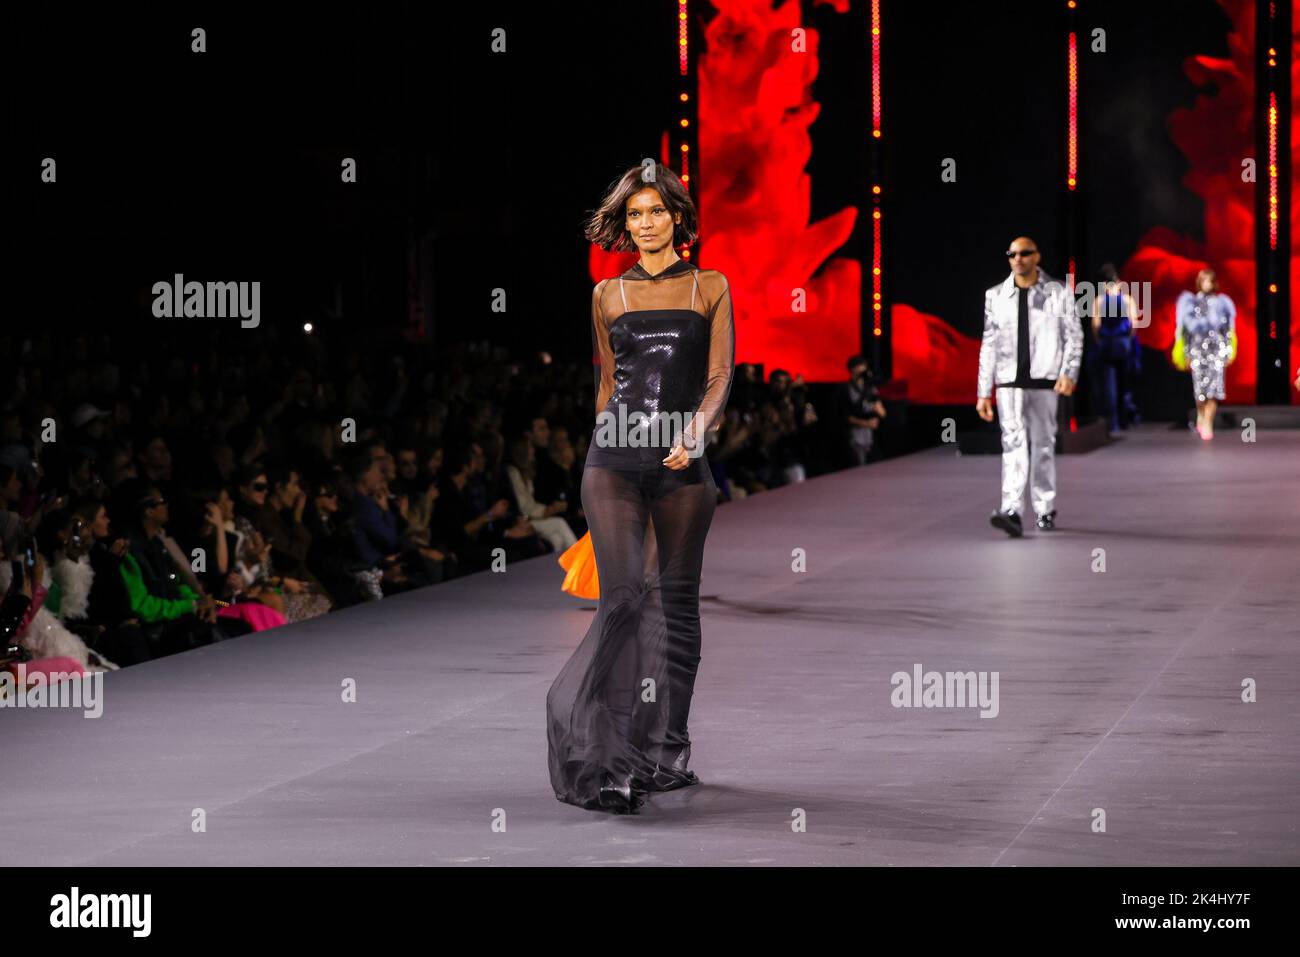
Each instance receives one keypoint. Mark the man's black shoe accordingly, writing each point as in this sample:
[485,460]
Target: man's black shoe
[1009,522]
[1047,522]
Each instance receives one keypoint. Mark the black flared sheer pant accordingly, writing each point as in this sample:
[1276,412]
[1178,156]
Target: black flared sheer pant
[617,713]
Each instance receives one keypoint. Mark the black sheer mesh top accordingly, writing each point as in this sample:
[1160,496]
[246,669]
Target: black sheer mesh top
[666,347]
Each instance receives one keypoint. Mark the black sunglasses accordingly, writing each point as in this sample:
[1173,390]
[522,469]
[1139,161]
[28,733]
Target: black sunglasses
[259,486]
[1022,253]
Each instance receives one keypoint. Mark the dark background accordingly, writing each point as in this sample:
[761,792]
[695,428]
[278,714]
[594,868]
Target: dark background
[985,84]
[224,166]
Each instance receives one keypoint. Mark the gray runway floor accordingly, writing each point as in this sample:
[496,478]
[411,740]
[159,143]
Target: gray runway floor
[1119,694]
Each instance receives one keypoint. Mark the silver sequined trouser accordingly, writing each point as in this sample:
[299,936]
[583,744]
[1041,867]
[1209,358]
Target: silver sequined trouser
[1028,419]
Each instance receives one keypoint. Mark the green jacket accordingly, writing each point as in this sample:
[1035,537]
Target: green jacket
[149,607]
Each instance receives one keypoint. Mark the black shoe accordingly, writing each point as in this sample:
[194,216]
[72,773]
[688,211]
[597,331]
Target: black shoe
[1047,522]
[665,780]
[1009,522]
[621,798]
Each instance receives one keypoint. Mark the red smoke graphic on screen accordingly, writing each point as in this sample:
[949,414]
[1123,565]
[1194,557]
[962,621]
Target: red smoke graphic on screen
[755,107]
[1215,135]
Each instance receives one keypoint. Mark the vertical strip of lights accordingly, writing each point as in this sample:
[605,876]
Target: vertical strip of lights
[1072,138]
[684,99]
[1067,421]
[1272,205]
[1273,364]
[1272,163]
[882,364]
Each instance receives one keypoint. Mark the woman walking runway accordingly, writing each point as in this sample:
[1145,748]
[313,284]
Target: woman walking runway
[664,335]
[1206,326]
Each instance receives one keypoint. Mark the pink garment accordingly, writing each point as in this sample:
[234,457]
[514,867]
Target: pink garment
[255,613]
[38,599]
[49,667]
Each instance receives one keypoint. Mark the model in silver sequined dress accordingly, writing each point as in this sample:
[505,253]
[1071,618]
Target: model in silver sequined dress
[1206,319]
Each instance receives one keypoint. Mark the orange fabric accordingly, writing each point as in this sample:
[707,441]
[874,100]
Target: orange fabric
[579,561]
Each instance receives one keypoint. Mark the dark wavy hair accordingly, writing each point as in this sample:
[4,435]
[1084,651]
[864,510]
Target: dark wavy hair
[607,226]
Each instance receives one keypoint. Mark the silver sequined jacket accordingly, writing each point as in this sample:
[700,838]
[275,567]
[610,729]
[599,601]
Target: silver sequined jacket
[1199,315]
[1055,333]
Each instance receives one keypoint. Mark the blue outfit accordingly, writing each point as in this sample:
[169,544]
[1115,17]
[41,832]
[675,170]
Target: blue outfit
[1118,361]
[374,531]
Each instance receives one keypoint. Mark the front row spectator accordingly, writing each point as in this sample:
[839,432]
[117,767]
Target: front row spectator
[259,524]
[546,519]
[349,580]
[30,625]
[377,538]
[475,536]
[173,615]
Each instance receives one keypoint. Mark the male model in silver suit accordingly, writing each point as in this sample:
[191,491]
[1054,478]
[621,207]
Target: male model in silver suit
[1030,354]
